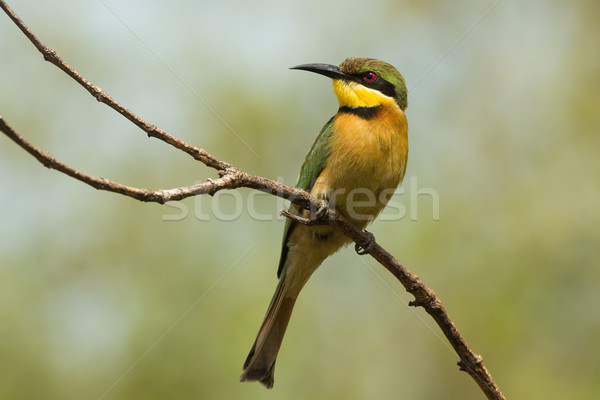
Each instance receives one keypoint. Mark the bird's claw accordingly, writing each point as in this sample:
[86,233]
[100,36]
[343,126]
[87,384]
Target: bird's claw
[322,210]
[367,246]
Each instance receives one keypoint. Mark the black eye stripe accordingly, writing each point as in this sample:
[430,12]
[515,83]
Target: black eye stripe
[385,87]
[378,84]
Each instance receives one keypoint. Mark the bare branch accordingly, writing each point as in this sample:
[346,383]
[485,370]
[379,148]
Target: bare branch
[231,178]
[158,196]
[51,56]
[424,297]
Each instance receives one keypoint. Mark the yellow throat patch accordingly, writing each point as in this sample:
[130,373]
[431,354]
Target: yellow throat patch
[353,94]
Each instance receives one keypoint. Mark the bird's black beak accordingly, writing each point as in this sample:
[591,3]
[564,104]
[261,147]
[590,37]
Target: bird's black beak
[331,71]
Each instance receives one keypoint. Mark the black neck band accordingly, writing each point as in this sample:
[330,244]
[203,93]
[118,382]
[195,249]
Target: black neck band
[362,112]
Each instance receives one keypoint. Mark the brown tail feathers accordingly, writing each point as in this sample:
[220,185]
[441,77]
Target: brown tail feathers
[260,363]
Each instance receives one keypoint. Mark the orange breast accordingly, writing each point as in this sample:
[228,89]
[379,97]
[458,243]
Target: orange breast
[367,161]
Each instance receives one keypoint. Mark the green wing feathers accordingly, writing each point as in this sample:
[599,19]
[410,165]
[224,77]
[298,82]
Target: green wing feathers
[313,164]
[315,159]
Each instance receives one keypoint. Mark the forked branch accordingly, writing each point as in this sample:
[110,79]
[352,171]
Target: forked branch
[230,178]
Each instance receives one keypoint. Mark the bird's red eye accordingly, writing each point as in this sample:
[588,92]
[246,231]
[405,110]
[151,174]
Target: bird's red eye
[370,76]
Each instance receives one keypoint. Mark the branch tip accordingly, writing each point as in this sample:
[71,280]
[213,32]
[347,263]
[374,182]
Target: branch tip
[415,303]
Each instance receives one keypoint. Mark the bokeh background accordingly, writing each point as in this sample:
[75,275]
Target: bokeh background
[103,297]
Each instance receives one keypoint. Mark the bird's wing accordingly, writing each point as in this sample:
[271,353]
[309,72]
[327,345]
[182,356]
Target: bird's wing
[313,164]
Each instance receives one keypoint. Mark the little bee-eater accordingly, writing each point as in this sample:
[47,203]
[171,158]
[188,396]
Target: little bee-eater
[355,163]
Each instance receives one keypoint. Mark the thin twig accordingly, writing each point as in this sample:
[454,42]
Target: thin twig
[230,178]
[52,56]
[227,181]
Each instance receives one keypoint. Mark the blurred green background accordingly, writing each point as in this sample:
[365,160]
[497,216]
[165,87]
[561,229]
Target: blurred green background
[103,297]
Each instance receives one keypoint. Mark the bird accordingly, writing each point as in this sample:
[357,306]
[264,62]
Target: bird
[354,164]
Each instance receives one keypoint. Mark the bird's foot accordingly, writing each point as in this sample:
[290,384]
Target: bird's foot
[297,218]
[321,212]
[367,246]
[316,218]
